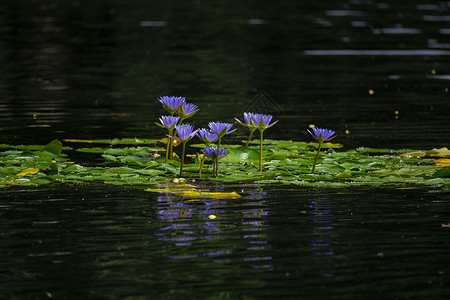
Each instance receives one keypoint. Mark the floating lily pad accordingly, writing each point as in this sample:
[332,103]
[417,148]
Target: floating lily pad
[284,162]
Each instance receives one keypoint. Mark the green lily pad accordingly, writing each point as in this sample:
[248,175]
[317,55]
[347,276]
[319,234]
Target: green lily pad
[54,147]
[241,155]
[284,162]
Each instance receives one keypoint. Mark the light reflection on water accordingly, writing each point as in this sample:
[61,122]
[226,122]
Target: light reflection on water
[322,227]
[273,242]
[186,223]
[417,52]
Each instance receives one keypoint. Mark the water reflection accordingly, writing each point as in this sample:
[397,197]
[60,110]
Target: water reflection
[238,226]
[57,70]
[322,228]
[418,52]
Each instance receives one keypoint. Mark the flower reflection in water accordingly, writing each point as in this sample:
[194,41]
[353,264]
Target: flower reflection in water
[322,229]
[255,220]
[237,233]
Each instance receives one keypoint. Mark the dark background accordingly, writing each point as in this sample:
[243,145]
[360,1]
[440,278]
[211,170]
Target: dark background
[94,69]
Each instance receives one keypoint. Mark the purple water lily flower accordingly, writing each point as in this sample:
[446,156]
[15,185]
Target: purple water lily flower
[187,110]
[322,135]
[206,136]
[171,103]
[220,128]
[185,132]
[168,122]
[249,124]
[211,152]
[247,120]
[262,122]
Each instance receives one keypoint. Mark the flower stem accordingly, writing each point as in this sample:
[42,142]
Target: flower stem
[171,141]
[182,159]
[249,138]
[260,149]
[168,145]
[217,158]
[317,156]
[201,167]
[170,148]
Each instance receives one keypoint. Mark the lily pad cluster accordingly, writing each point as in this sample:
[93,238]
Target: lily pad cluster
[141,162]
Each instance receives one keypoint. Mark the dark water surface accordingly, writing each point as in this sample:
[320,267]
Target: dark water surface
[272,243]
[377,72]
[76,69]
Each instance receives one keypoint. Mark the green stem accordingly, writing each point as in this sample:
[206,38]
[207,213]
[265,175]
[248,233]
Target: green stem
[217,158]
[201,166]
[182,159]
[249,138]
[168,145]
[170,148]
[170,142]
[260,150]
[315,160]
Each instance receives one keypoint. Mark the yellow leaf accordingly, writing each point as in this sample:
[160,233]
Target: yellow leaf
[78,141]
[190,191]
[415,153]
[174,142]
[441,152]
[194,155]
[28,171]
[442,162]
[215,195]
[329,144]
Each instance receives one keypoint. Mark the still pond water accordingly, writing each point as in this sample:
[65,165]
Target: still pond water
[377,72]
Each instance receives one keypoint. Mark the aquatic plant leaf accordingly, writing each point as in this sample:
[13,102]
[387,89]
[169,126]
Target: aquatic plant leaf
[366,150]
[149,172]
[171,168]
[120,170]
[22,147]
[92,150]
[442,152]
[442,162]
[285,162]
[125,141]
[241,155]
[28,171]
[327,145]
[74,168]
[191,193]
[109,157]
[343,175]
[442,173]
[54,147]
